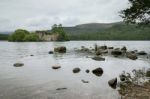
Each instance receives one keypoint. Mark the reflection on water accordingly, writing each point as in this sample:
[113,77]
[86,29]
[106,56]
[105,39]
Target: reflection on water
[37,80]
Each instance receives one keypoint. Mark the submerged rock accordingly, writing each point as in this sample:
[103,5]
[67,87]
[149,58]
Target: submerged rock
[132,56]
[98,71]
[50,52]
[56,67]
[142,53]
[98,58]
[87,71]
[61,88]
[31,55]
[76,70]
[84,81]
[113,83]
[61,49]
[18,64]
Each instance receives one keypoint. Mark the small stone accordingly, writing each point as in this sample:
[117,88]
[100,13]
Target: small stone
[87,71]
[56,66]
[112,83]
[98,71]
[98,58]
[142,53]
[61,88]
[84,81]
[50,52]
[18,64]
[76,70]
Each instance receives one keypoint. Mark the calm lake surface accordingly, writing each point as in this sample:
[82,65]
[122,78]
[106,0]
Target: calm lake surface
[37,80]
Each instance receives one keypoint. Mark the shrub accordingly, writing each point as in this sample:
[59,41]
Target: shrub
[18,35]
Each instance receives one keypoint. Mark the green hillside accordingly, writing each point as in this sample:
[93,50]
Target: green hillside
[112,31]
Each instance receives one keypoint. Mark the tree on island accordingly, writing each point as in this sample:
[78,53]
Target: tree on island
[138,12]
[58,29]
[31,37]
[21,35]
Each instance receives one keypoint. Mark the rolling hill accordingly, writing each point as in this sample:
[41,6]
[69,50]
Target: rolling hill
[110,31]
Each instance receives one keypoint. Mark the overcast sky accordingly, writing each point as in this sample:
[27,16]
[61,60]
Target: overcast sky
[41,14]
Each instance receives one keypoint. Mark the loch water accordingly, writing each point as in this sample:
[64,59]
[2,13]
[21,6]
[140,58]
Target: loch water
[37,80]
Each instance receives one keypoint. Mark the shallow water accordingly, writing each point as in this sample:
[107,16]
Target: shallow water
[36,79]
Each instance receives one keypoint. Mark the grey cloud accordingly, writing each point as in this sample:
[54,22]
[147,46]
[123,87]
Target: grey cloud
[41,14]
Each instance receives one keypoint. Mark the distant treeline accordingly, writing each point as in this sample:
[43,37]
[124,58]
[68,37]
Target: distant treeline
[117,32]
[110,36]
[4,36]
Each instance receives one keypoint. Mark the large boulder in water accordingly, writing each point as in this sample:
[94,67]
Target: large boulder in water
[18,64]
[113,83]
[132,56]
[98,71]
[61,49]
[98,58]
[76,70]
